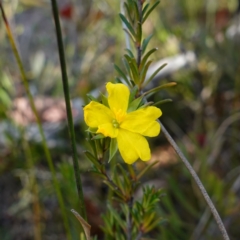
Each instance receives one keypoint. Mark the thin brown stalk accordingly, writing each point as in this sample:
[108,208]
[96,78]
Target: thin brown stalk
[198,182]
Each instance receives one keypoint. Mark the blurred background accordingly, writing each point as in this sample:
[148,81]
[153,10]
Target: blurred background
[200,42]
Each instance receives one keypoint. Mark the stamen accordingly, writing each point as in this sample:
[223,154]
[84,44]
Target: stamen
[115,123]
[120,115]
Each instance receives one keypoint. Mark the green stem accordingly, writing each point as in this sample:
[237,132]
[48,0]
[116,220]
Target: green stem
[33,107]
[139,46]
[68,108]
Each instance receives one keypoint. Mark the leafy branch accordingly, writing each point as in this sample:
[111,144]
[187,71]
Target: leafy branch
[143,63]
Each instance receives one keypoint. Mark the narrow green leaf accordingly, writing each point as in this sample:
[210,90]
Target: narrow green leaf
[145,43]
[118,181]
[92,143]
[98,136]
[130,35]
[139,207]
[156,89]
[148,220]
[117,217]
[132,172]
[125,176]
[125,209]
[134,72]
[132,78]
[145,9]
[118,80]
[146,169]
[113,148]
[91,130]
[98,174]
[128,25]
[136,218]
[133,83]
[128,11]
[149,11]
[106,143]
[108,228]
[104,100]
[136,11]
[121,73]
[146,105]
[155,73]
[162,102]
[131,55]
[134,104]
[95,162]
[118,200]
[155,223]
[115,189]
[133,67]
[131,5]
[146,56]
[144,71]
[91,97]
[133,93]
[126,65]
[99,149]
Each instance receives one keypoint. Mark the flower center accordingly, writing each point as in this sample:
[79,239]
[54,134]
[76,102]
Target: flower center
[115,123]
[119,115]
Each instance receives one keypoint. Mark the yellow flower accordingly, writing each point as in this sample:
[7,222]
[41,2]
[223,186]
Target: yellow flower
[128,127]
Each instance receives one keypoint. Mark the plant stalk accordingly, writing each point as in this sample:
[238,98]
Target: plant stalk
[129,219]
[139,44]
[198,182]
[68,108]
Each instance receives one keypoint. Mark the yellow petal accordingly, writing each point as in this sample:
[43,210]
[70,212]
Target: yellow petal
[143,121]
[96,114]
[118,96]
[132,146]
[108,130]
